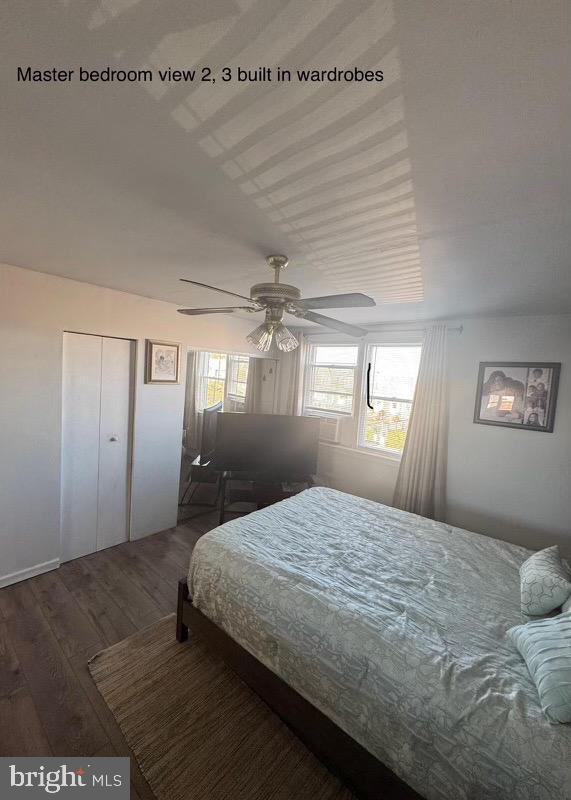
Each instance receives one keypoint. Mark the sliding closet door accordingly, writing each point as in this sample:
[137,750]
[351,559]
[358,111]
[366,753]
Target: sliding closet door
[96,443]
[80,443]
[114,442]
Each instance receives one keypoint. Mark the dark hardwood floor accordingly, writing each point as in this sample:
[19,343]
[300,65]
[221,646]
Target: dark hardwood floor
[51,625]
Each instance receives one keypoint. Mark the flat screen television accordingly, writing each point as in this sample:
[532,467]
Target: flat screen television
[208,438]
[273,445]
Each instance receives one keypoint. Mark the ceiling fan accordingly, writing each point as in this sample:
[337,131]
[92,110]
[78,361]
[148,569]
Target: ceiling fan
[278,298]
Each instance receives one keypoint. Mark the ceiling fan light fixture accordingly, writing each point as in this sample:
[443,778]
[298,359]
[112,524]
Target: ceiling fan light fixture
[278,298]
[262,336]
[285,340]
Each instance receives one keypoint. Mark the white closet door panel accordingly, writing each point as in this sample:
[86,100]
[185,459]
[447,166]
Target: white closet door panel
[114,443]
[80,443]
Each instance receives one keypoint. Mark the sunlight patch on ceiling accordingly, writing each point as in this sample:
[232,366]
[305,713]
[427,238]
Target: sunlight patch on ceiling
[272,46]
[327,163]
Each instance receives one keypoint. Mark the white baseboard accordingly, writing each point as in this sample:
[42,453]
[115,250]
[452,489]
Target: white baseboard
[21,575]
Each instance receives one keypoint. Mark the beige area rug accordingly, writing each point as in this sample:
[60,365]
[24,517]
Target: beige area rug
[197,731]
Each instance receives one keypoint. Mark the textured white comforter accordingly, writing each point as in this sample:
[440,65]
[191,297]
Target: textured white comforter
[394,626]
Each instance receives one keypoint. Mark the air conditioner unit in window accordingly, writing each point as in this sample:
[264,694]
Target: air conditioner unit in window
[329,429]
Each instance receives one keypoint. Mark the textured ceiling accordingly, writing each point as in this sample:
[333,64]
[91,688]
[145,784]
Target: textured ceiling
[442,191]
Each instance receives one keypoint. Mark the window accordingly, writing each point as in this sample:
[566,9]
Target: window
[330,379]
[335,384]
[394,369]
[212,378]
[237,377]
[222,377]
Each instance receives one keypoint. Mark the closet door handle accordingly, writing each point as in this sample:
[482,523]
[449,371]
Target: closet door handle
[114,438]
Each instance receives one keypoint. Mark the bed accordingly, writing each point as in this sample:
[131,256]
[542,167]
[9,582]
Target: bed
[390,628]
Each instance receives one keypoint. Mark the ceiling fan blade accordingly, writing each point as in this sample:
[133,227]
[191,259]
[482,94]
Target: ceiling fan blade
[193,312]
[352,300]
[336,324]
[215,288]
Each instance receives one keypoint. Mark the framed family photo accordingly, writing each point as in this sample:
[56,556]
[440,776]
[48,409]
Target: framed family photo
[162,362]
[517,395]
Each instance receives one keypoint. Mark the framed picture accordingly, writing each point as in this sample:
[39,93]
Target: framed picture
[517,395]
[162,362]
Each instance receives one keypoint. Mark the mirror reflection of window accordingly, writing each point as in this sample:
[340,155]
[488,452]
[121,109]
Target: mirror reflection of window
[223,378]
[237,377]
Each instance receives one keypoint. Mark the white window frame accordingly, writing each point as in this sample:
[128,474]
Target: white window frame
[235,358]
[312,411]
[350,424]
[203,377]
[367,359]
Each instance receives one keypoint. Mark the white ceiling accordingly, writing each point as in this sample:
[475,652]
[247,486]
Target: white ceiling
[443,191]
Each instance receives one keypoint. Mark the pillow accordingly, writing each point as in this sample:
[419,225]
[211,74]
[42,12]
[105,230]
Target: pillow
[536,617]
[546,649]
[545,583]
[566,605]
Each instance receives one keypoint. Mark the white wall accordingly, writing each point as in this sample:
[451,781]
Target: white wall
[357,472]
[511,484]
[35,309]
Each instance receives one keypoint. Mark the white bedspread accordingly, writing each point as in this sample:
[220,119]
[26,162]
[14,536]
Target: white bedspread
[394,626]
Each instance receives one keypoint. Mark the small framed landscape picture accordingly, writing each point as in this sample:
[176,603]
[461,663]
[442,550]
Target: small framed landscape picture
[517,395]
[162,362]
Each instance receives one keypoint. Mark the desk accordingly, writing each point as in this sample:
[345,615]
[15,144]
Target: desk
[261,491]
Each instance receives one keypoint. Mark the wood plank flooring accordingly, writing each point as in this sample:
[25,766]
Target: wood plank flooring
[52,624]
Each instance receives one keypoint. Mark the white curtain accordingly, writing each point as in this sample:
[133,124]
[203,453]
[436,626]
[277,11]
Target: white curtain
[421,481]
[289,389]
[252,403]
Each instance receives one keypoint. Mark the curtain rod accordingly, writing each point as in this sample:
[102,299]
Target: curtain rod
[398,328]
[388,327]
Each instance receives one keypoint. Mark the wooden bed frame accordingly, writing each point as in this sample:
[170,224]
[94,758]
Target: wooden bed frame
[367,777]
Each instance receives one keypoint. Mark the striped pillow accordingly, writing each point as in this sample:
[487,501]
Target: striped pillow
[546,649]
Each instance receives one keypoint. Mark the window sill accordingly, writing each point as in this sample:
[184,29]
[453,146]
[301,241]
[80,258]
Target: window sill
[365,451]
